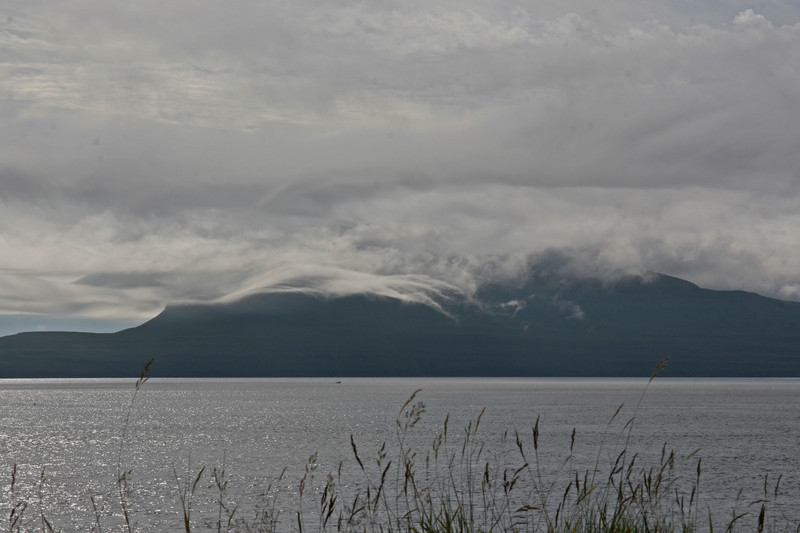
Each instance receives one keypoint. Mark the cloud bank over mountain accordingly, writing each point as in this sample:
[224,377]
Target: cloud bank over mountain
[158,153]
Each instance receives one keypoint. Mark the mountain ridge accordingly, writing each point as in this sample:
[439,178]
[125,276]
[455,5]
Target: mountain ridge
[541,325]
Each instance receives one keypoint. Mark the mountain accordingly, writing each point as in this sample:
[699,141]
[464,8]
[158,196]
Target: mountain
[544,325]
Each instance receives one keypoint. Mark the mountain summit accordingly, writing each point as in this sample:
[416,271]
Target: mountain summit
[539,326]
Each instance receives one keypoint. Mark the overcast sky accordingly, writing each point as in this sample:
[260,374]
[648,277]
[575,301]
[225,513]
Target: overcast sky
[155,152]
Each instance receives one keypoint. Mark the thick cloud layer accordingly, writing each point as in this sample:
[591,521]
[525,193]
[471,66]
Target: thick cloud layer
[154,152]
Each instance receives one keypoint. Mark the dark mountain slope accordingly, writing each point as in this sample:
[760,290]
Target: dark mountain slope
[543,325]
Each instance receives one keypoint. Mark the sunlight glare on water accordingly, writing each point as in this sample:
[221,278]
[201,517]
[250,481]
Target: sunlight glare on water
[74,431]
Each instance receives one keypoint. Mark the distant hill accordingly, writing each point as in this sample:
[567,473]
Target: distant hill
[540,326]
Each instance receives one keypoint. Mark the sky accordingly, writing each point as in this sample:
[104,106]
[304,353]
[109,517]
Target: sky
[161,152]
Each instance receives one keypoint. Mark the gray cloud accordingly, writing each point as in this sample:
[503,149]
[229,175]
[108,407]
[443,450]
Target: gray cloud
[156,153]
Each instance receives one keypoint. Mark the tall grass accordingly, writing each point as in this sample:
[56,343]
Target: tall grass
[454,480]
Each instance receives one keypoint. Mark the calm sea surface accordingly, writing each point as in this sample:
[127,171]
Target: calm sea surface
[746,430]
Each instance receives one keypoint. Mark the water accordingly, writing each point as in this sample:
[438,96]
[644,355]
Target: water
[75,431]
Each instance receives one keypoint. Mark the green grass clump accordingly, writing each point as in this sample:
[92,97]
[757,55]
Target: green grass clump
[458,481]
